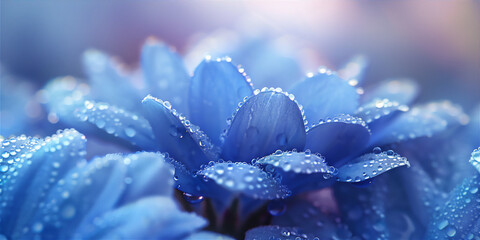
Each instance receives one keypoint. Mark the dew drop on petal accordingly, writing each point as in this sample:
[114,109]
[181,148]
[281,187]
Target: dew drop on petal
[276,208]
[192,199]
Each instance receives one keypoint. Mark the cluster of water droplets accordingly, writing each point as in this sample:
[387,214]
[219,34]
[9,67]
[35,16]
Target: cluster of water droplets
[475,159]
[280,138]
[297,162]
[247,179]
[240,69]
[343,118]
[379,108]
[370,165]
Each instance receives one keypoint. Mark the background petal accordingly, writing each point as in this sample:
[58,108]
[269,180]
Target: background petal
[265,123]
[215,91]
[325,95]
[403,90]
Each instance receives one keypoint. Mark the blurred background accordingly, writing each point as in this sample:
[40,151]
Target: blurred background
[437,43]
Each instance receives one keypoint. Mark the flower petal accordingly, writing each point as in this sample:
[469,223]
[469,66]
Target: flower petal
[379,113]
[403,91]
[299,171]
[475,159]
[148,174]
[242,178]
[208,235]
[165,74]
[148,218]
[215,91]
[276,232]
[108,82]
[354,70]
[30,166]
[458,218]
[325,95]
[338,137]
[175,135]
[370,165]
[264,123]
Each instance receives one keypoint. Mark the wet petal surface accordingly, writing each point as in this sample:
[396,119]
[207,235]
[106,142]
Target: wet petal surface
[403,91]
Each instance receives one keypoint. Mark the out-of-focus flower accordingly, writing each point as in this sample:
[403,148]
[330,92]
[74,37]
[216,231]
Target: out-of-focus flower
[275,145]
[49,191]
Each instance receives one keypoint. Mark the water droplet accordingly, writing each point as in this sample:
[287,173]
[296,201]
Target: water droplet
[192,199]
[4,168]
[68,212]
[390,153]
[252,132]
[130,132]
[37,227]
[100,123]
[377,150]
[441,225]
[451,231]
[276,208]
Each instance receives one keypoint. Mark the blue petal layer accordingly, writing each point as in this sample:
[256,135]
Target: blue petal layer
[325,95]
[301,171]
[380,113]
[208,235]
[370,165]
[33,166]
[118,122]
[246,179]
[215,91]
[354,70]
[175,135]
[338,137]
[165,74]
[475,159]
[277,232]
[148,218]
[264,123]
[403,91]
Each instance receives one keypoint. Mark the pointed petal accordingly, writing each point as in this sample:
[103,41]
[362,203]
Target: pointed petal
[76,200]
[215,91]
[325,95]
[299,171]
[108,82]
[370,165]
[459,218]
[118,122]
[403,91]
[338,137]
[148,218]
[265,123]
[165,74]
[148,174]
[175,135]
[30,166]
[242,178]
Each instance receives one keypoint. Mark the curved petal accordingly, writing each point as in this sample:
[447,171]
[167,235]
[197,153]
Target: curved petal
[31,167]
[458,218]
[108,82]
[370,165]
[299,171]
[165,74]
[338,137]
[379,113]
[325,95]
[276,232]
[175,135]
[76,200]
[403,91]
[148,174]
[208,235]
[242,178]
[215,91]
[118,122]
[148,218]
[264,123]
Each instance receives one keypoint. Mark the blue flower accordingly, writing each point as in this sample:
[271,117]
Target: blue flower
[49,191]
[274,146]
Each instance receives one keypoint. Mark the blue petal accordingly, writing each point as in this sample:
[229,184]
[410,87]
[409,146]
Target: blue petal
[148,174]
[148,218]
[370,165]
[403,91]
[299,171]
[354,70]
[215,91]
[31,166]
[246,179]
[325,95]
[338,137]
[309,219]
[266,122]
[118,122]
[459,218]
[475,159]
[109,83]
[76,200]
[277,232]
[165,74]
[380,113]
[188,181]
[175,135]
[208,235]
